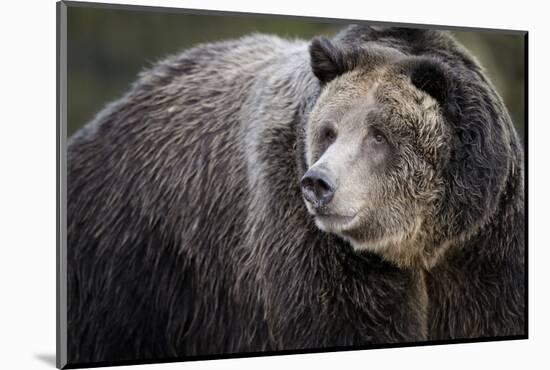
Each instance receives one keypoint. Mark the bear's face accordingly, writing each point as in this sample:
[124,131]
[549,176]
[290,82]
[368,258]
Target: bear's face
[376,146]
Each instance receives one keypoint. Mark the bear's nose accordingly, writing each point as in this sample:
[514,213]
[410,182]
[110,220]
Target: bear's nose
[317,188]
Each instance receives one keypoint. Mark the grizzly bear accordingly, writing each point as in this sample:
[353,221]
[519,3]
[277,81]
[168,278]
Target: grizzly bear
[264,194]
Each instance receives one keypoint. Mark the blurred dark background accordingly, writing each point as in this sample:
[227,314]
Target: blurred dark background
[107,48]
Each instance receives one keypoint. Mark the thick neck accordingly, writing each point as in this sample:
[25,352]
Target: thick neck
[504,234]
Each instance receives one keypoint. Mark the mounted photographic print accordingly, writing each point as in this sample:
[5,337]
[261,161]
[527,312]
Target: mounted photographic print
[237,185]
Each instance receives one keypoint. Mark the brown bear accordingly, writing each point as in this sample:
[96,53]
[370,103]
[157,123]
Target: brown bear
[264,194]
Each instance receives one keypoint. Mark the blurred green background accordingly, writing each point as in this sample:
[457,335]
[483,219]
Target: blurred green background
[107,48]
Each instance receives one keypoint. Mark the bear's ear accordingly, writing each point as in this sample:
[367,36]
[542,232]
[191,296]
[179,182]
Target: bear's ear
[327,61]
[434,78]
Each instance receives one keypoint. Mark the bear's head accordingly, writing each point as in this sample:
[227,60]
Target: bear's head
[394,165]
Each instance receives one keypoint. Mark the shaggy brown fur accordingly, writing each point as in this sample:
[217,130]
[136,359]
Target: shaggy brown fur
[188,233]
[187,230]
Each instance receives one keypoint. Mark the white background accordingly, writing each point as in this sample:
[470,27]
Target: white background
[27,182]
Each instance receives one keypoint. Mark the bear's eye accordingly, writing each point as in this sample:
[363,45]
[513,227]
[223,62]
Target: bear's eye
[328,135]
[377,137]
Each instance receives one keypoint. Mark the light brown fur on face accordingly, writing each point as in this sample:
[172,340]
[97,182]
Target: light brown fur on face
[386,193]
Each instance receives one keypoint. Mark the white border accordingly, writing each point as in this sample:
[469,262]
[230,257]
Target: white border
[27,184]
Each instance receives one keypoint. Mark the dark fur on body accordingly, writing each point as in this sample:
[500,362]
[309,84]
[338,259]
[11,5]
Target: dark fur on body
[188,235]
[187,231]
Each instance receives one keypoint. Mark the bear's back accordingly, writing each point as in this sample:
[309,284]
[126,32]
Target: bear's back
[156,196]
